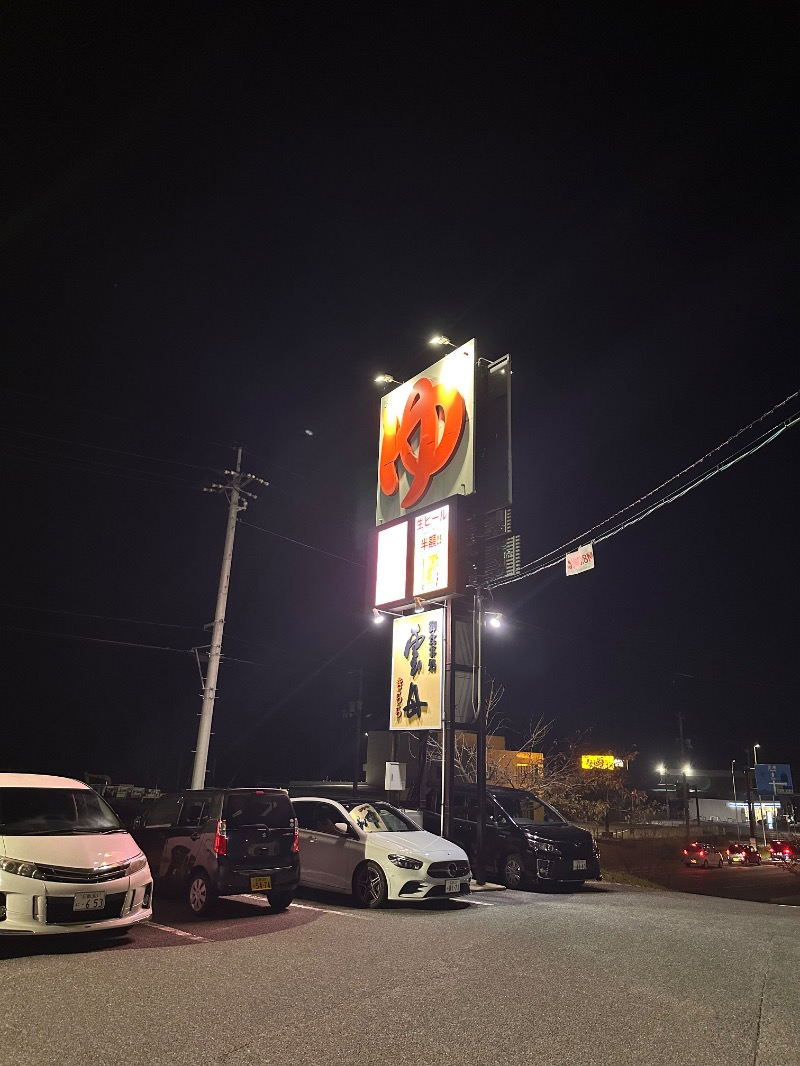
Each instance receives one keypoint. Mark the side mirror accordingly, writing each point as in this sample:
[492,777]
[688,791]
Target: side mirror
[341,827]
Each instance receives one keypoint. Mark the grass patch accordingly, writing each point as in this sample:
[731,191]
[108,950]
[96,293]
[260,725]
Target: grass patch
[625,877]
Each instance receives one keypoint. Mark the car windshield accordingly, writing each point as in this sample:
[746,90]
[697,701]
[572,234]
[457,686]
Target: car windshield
[379,818]
[45,811]
[527,809]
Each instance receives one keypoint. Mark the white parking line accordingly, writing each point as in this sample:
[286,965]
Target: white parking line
[178,932]
[302,906]
[331,910]
[480,903]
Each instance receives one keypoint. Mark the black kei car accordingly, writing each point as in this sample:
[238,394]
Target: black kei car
[527,843]
[222,842]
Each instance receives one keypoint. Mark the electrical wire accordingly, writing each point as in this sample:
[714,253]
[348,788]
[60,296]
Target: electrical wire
[94,640]
[311,547]
[582,538]
[546,561]
[149,480]
[99,617]
[104,448]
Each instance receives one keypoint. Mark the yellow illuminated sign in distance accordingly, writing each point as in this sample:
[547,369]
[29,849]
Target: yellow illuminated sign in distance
[598,762]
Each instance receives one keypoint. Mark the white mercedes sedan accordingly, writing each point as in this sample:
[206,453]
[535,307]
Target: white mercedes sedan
[375,852]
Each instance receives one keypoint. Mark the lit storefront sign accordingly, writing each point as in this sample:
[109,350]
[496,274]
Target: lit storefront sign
[416,556]
[392,564]
[417,674]
[426,443]
[601,762]
[431,551]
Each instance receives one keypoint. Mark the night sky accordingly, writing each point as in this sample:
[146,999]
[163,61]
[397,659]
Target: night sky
[221,221]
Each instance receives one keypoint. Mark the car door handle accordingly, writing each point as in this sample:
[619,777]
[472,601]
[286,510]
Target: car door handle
[195,836]
[312,840]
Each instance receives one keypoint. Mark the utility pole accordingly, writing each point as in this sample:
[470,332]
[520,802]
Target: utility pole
[480,865]
[685,782]
[359,714]
[238,500]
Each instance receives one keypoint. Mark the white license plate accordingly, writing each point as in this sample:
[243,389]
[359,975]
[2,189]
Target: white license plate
[452,886]
[579,864]
[89,901]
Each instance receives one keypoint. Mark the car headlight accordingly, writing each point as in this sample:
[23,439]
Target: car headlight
[545,845]
[405,862]
[137,863]
[20,867]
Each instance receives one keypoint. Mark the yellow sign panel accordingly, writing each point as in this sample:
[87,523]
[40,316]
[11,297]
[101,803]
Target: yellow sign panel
[597,762]
[418,671]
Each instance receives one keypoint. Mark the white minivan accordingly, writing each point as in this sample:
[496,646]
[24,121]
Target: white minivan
[67,865]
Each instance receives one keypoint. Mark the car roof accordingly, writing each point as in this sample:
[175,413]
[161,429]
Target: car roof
[40,781]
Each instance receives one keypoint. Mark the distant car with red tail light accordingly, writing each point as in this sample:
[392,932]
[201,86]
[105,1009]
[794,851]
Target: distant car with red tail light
[745,854]
[705,855]
[784,851]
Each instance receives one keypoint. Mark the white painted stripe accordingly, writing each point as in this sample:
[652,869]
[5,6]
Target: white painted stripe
[178,932]
[331,910]
[480,902]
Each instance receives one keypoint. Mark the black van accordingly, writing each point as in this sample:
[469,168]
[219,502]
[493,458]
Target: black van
[222,842]
[526,842]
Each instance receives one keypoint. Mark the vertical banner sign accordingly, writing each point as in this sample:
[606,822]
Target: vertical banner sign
[418,671]
[431,531]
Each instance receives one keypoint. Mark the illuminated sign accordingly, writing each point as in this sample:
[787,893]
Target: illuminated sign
[431,551]
[772,778]
[417,671]
[391,580]
[417,556]
[600,762]
[426,445]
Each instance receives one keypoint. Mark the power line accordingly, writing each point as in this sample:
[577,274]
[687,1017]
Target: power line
[556,556]
[94,640]
[150,479]
[105,448]
[99,617]
[310,547]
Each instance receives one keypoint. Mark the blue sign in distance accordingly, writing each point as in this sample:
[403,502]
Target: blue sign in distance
[769,772]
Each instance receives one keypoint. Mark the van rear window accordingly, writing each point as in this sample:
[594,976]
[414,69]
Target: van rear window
[257,808]
[45,811]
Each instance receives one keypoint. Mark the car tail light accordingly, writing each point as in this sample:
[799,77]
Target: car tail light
[221,838]
[727,851]
[296,841]
[701,853]
[685,851]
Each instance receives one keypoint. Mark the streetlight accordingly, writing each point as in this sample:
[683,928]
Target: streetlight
[735,807]
[758,793]
[439,339]
[662,770]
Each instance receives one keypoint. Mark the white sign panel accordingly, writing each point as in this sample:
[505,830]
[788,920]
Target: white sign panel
[418,671]
[390,581]
[426,443]
[582,559]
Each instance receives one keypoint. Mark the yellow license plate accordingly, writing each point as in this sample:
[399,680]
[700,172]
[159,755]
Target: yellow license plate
[260,884]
